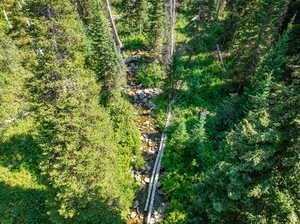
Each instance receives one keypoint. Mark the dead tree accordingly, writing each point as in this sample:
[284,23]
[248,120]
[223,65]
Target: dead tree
[171,15]
[113,25]
[220,7]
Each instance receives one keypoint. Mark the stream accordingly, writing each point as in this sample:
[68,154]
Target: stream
[142,100]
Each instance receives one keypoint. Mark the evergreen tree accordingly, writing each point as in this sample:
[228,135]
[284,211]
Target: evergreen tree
[80,158]
[106,62]
[104,57]
[258,180]
[13,94]
[11,78]
[156,31]
[135,15]
[256,31]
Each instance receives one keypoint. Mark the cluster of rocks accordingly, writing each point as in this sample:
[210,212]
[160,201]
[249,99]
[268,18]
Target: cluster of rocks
[158,214]
[143,97]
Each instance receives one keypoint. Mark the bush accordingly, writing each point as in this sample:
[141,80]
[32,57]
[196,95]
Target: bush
[151,75]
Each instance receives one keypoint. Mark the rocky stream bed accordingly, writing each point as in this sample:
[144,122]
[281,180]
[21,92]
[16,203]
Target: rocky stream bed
[142,100]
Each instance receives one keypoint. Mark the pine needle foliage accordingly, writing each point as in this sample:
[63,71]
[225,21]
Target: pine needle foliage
[103,57]
[80,160]
[135,15]
[257,181]
[256,32]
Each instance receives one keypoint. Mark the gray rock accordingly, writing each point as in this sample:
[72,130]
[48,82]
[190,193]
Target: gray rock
[133,215]
[142,95]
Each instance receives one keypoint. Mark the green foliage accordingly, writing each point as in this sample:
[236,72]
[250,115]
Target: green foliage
[236,157]
[151,75]
[12,92]
[22,196]
[256,32]
[104,58]
[156,32]
[134,42]
[246,186]
[70,160]
[126,134]
[80,156]
[135,19]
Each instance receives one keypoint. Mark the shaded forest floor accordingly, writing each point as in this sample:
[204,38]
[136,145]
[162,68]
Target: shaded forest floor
[22,195]
[200,75]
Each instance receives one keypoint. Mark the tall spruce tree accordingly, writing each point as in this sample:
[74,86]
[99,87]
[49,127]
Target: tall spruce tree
[135,15]
[255,33]
[104,57]
[106,62]
[80,158]
[157,33]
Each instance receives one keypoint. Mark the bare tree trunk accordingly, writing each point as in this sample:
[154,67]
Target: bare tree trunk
[6,18]
[113,25]
[16,118]
[171,15]
[220,7]
[220,57]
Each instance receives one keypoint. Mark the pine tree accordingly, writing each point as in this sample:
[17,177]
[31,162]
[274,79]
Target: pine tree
[104,57]
[11,77]
[13,94]
[135,15]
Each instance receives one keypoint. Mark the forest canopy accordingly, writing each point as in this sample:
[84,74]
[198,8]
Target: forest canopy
[86,87]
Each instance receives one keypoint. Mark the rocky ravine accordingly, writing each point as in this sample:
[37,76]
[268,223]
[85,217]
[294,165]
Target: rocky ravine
[142,98]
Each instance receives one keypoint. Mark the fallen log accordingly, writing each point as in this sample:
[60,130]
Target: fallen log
[16,118]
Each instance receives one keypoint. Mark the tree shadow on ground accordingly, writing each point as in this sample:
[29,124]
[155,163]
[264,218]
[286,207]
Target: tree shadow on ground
[20,151]
[18,205]
[27,205]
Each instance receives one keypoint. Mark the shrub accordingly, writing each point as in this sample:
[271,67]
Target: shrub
[151,75]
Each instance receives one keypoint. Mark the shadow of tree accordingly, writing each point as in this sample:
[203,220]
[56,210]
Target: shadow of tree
[26,205]
[18,205]
[20,151]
